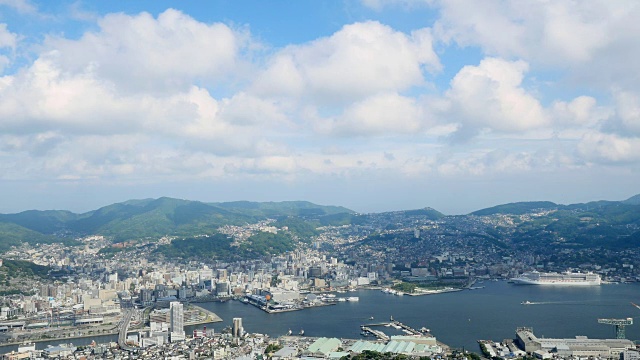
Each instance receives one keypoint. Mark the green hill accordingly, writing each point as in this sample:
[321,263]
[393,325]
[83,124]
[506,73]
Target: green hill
[428,212]
[154,218]
[219,246]
[601,224]
[634,200]
[517,208]
[283,208]
[44,222]
[14,235]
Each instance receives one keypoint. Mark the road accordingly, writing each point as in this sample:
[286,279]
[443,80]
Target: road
[123,326]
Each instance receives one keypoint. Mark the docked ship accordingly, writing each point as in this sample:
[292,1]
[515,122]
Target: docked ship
[553,278]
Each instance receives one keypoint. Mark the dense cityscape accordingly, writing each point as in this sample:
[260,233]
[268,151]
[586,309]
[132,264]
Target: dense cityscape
[94,289]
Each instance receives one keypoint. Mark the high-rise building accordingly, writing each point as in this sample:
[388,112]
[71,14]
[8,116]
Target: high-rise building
[176,311]
[237,330]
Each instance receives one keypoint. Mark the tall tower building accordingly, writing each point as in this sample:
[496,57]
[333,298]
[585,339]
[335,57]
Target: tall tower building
[237,330]
[176,311]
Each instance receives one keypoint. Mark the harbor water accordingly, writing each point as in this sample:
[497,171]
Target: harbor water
[458,319]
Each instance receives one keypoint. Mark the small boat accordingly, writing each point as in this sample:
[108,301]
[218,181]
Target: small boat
[301,332]
[290,332]
[371,318]
[526,303]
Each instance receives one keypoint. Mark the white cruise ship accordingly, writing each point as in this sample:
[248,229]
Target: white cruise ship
[566,278]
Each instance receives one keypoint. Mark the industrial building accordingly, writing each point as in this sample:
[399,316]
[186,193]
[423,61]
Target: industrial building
[407,345]
[580,346]
[323,347]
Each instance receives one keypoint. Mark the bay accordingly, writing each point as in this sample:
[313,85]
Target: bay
[458,319]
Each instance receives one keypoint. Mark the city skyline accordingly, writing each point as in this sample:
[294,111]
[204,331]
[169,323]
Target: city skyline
[374,105]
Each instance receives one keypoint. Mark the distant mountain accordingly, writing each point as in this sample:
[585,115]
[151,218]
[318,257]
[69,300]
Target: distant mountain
[634,200]
[44,222]
[283,208]
[428,212]
[148,218]
[517,208]
[582,224]
[13,235]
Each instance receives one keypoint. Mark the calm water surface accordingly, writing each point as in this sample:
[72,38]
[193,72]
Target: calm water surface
[458,319]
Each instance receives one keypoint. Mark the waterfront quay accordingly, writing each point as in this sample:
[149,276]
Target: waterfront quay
[265,304]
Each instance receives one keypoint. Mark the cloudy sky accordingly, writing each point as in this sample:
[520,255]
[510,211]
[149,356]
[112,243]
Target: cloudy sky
[371,104]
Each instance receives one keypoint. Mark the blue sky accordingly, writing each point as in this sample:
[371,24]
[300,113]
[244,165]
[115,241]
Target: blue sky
[371,104]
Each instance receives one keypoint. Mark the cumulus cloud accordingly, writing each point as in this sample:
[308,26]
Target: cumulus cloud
[583,111]
[379,5]
[551,32]
[609,148]
[144,97]
[7,38]
[145,54]
[628,111]
[575,36]
[383,114]
[22,6]
[43,99]
[491,96]
[360,60]
[120,80]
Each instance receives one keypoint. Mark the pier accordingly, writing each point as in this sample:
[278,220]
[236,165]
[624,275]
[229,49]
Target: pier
[366,328]
[377,333]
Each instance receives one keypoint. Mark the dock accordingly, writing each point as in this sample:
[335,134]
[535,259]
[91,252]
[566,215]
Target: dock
[377,333]
[367,328]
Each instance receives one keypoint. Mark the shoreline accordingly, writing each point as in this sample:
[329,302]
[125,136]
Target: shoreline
[61,339]
[434,292]
[211,317]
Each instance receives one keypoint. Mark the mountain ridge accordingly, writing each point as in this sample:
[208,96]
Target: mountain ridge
[153,218]
[147,218]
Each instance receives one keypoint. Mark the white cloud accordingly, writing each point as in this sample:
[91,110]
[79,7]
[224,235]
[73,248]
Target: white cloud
[7,38]
[144,54]
[576,37]
[359,60]
[582,111]
[553,32]
[379,5]
[384,114]
[42,98]
[491,96]
[148,99]
[609,148]
[628,111]
[22,6]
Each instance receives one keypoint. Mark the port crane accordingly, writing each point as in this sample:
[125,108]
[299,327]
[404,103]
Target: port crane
[619,325]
